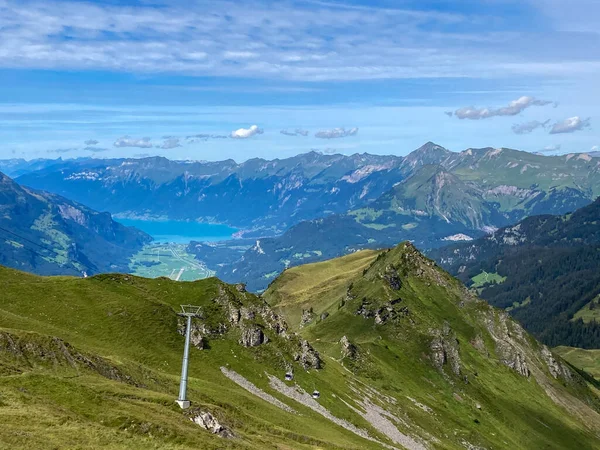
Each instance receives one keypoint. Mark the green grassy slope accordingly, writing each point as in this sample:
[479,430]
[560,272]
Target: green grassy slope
[131,324]
[394,355]
[88,363]
[588,360]
[296,288]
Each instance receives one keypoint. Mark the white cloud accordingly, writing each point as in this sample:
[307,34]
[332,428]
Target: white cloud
[245,133]
[335,133]
[570,125]
[528,127]
[296,132]
[126,141]
[515,107]
[595,148]
[169,143]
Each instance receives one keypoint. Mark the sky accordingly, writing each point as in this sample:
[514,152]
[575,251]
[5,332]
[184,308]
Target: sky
[211,80]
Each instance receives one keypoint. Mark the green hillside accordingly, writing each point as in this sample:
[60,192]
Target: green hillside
[405,358]
[588,360]
[47,234]
[544,270]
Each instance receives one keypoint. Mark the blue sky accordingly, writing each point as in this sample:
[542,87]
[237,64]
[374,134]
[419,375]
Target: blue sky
[179,79]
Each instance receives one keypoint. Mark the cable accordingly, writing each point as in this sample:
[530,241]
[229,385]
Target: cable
[29,240]
[70,262]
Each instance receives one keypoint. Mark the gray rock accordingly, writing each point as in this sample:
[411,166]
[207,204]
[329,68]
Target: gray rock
[208,422]
[556,368]
[308,357]
[348,349]
[444,349]
[198,333]
[307,317]
[392,278]
[252,337]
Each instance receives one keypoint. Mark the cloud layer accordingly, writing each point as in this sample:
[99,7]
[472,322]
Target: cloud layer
[515,107]
[570,125]
[314,41]
[335,133]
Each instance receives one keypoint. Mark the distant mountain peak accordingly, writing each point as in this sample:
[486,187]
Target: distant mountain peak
[428,153]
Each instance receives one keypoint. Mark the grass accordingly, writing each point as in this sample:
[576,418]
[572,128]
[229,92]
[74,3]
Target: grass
[486,278]
[588,314]
[127,326]
[588,360]
[297,287]
[515,411]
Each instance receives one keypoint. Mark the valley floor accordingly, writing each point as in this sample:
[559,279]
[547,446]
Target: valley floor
[168,260]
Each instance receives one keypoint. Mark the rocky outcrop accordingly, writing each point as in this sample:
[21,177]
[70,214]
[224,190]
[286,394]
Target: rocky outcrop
[513,358]
[509,338]
[557,369]
[48,350]
[479,345]
[444,349]
[252,336]
[387,312]
[308,357]
[348,349]
[199,332]
[365,309]
[274,321]
[207,421]
[307,317]
[392,278]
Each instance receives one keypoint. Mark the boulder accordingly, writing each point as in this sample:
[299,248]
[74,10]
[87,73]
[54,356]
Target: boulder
[307,317]
[207,421]
[252,336]
[348,349]
[308,357]
[444,349]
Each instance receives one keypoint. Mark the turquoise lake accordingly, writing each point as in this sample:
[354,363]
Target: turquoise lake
[181,232]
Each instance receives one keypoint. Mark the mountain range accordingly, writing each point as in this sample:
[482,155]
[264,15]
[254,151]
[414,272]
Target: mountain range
[461,198]
[47,234]
[267,197]
[544,270]
[378,349]
[313,206]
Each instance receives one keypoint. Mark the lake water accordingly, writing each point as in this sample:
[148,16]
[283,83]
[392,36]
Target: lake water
[181,232]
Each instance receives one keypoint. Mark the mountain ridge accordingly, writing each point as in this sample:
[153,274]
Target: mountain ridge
[544,269]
